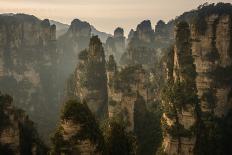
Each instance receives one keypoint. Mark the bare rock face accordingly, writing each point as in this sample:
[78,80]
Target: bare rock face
[116,45]
[145,32]
[17,133]
[90,80]
[164,34]
[212,53]
[28,61]
[208,73]
[179,119]
[79,29]
[125,87]
[118,32]
[71,44]
[140,48]
[146,46]
[130,35]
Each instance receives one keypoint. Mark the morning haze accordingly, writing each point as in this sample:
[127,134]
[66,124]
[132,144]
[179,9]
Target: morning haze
[103,14]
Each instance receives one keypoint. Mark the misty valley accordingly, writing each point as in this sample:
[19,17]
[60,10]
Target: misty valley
[165,89]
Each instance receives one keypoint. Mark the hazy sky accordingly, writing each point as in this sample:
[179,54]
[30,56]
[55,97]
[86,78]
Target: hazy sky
[105,15]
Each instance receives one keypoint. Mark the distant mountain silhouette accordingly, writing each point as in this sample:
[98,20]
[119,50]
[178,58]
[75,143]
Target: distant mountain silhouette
[61,28]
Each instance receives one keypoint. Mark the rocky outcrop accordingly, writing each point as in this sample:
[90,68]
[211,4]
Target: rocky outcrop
[17,133]
[140,48]
[130,35]
[212,53]
[116,45]
[179,118]
[90,81]
[71,44]
[145,32]
[208,41]
[211,49]
[78,132]
[28,66]
[164,34]
[125,88]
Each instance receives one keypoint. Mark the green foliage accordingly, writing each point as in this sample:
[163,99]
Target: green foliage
[215,135]
[210,98]
[4,101]
[179,94]
[147,127]
[111,65]
[222,75]
[227,133]
[96,75]
[118,141]
[58,143]
[83,55]
[197,16]
[213,55]
[80,114]
[127,77]
[94,68]
[112,102]
[209,9]
[6,150]
[187,68]
[178,130]
[30,137]
[27,132]
[230,94]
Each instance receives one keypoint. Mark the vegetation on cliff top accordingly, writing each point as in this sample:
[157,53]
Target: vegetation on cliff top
[80,114]
[118,140]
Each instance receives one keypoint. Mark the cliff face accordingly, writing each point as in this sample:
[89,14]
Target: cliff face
[28,61]
[125,88]
[209,44]
[212,54]
[116,45]
[164,34]
[17,133]
[131,100]
[180,99]
[140,48]
[71,44]
[90,81]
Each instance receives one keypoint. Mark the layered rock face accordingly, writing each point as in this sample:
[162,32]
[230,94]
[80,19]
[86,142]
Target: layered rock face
[141,49]
[209,44]
[180,100]
[17,133]
[212,54]
[70,45]
[116,45]
[90,81]
[164,35]
[211,49]
[28,65]
[125,88]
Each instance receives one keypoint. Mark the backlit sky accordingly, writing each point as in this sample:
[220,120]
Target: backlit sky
[105,15]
